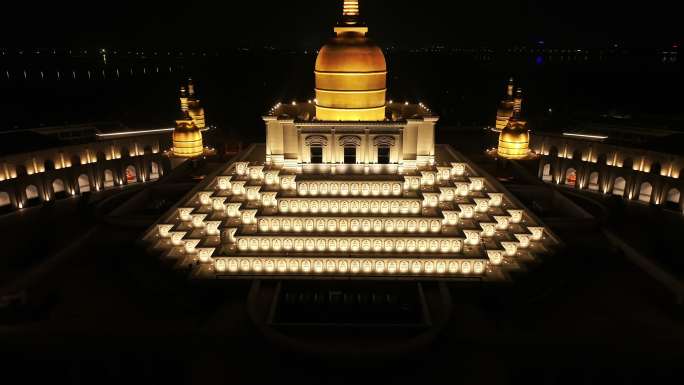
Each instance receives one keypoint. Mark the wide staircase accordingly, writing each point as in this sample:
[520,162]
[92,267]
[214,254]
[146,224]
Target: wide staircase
[440,221]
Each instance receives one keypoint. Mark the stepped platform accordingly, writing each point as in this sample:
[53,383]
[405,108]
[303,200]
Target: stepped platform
[444,221]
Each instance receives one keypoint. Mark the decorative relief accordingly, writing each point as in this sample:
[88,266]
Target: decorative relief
[458,169]
[384,141]
[350,141]
[316,141]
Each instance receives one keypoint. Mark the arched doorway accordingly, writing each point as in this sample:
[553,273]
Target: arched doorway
[32,192]
[645,192]
[571,177]
[83,183]
[546,173]
[58,186]
[594,181]
[108,178]
[131,174]
[5,199]
[154,171]
[673,199]
[619,186]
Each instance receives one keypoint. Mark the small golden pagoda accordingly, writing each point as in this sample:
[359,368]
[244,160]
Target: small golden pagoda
[514,139]
[351,73]
[187,135]
[187,138]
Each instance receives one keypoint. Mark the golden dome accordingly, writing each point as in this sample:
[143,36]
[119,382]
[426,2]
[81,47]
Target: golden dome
[351,74]
[514,140]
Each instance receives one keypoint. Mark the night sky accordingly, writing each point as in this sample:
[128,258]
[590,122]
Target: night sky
[305,24]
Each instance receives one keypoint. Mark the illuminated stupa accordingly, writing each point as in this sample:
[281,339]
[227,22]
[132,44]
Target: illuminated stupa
[187,138]
[350,73]
[187,134]
[350,186]
[514,139]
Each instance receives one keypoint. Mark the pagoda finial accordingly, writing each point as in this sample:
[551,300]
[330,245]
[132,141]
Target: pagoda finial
[350,11]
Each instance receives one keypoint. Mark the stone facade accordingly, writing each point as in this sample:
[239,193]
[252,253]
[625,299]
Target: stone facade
[34,177]
[635,174]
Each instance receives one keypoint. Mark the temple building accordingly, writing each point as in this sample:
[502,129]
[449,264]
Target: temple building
[350,185]
[52,163]
[635,163]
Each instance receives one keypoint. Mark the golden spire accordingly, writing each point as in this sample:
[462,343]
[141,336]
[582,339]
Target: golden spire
[350,11]
[517,103]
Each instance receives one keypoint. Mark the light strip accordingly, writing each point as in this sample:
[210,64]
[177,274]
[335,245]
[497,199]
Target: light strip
[585,136]
[350,73]
[350,109]
[136,132]
[351,91]
[142,132]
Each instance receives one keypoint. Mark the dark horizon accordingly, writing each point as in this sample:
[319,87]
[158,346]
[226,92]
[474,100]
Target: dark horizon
[307,24]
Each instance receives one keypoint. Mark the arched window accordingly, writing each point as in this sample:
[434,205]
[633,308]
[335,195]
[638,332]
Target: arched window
[594,181]
[58,186]
[571,177]
[674,196]
[84,183]
[154,171]
[645,192]
[108,178]
[316,144]
[546,173]
[4,199]
[655,168]
[131,174]
[619,186]
[31,192]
